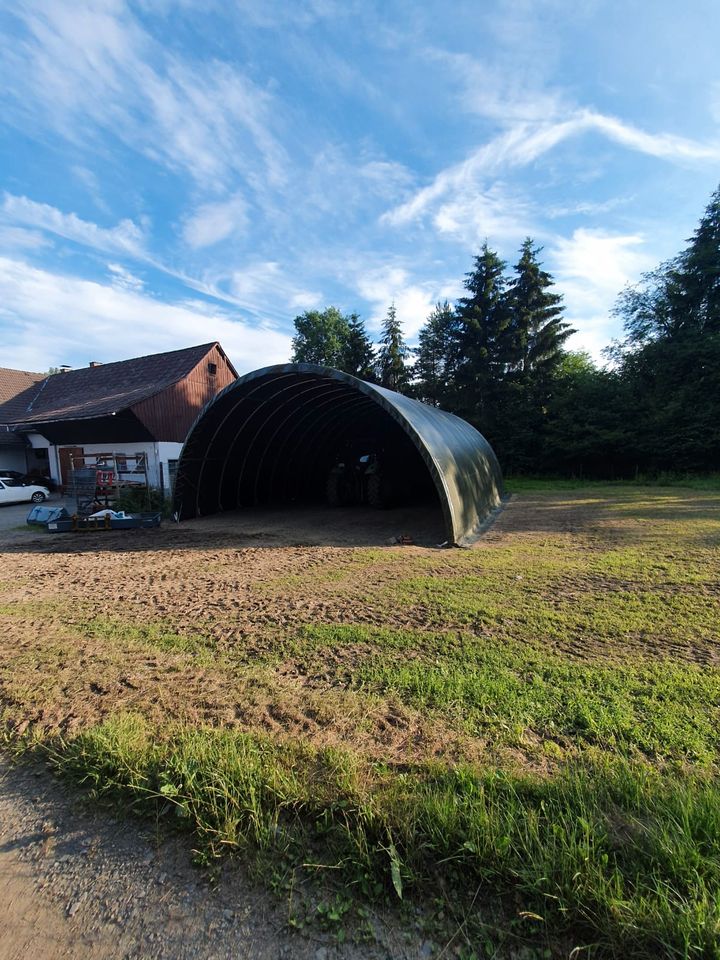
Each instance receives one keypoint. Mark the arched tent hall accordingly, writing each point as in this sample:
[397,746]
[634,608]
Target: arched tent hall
[275,436]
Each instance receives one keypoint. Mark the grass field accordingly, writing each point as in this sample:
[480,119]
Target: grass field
[522,738]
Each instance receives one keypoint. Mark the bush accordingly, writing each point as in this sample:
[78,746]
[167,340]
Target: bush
[144,501]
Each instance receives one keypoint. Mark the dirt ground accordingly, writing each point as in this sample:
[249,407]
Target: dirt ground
[199,622]
[80,885]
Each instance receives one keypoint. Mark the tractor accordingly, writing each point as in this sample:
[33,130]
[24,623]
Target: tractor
[360,479]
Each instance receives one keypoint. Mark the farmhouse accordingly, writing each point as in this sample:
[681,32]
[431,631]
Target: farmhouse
[131,416]
[15,454]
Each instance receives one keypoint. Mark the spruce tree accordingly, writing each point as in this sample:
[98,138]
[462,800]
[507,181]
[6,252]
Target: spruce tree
[393,353]
[481,354]
[434,365]
[537,330]
[670,358]
[358,356]
[699,271]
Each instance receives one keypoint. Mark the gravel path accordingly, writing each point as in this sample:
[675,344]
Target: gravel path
[77,885]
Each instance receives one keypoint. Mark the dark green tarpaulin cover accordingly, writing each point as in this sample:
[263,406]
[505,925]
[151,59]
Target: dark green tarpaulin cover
[272,436]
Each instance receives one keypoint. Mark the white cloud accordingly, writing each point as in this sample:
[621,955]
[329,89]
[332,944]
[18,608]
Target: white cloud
[413,301]
[213,222]
[264,289]
[252,281]
[112,323]
[127,237]
[275,14]
[585,208]
[591,268]
[18,238]
[524,143]
[123,279]
[91,183]
[305,300]
[473,216]
[386,178]
[94,68]
[664,145]
[507,92]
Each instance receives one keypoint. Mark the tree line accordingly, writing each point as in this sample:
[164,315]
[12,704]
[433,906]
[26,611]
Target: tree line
[498,359]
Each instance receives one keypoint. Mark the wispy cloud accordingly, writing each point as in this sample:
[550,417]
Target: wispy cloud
[111,322]
[127,237]
[508,92]
[94,68]
[664,145]
[264,289]
[213,222]
[273,14]
[524,143]
[18,238]
[92,185]
[123,279]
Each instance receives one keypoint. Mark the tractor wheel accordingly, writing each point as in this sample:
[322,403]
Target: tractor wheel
[336,489]
[376,491]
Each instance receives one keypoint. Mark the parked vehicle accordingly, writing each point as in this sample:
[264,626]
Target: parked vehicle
[14,492]
[38,480]
[14,478]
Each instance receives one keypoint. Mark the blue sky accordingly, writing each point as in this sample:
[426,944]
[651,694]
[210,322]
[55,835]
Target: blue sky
[176,172]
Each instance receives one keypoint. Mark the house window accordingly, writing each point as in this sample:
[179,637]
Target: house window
[140,463]
[212,369]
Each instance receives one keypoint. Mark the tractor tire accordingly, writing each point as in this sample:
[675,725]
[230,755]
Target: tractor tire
[376,491]
[336,490]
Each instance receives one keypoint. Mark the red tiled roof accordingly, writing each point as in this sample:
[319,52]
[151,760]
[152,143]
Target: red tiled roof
[102,390]
[13,382]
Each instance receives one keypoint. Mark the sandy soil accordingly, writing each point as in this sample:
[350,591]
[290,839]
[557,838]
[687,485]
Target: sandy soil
[82,886]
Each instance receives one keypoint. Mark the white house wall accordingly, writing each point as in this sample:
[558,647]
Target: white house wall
[12,459]
[156,454]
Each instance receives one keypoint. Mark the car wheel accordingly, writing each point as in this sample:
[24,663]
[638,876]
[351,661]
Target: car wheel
[37,497]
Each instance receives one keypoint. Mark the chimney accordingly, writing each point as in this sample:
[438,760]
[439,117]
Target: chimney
[64,367]
[95,363]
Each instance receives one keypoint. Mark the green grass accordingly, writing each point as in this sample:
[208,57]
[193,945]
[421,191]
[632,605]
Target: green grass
[692,481]
[660,710]
[566,678]
[153,636]
[614,858]
[512,693]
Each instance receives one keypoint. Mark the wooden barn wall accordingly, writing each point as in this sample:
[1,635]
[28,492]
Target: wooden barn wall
[170,414]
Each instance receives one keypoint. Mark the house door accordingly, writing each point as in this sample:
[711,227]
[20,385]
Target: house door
[68,455]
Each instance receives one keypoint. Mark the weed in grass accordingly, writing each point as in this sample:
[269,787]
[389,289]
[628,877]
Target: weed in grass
[615,854]
[151,635]
[512,691]
[706,481]
[524,645]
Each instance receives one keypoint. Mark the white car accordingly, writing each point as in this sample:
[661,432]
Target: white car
[9,493]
